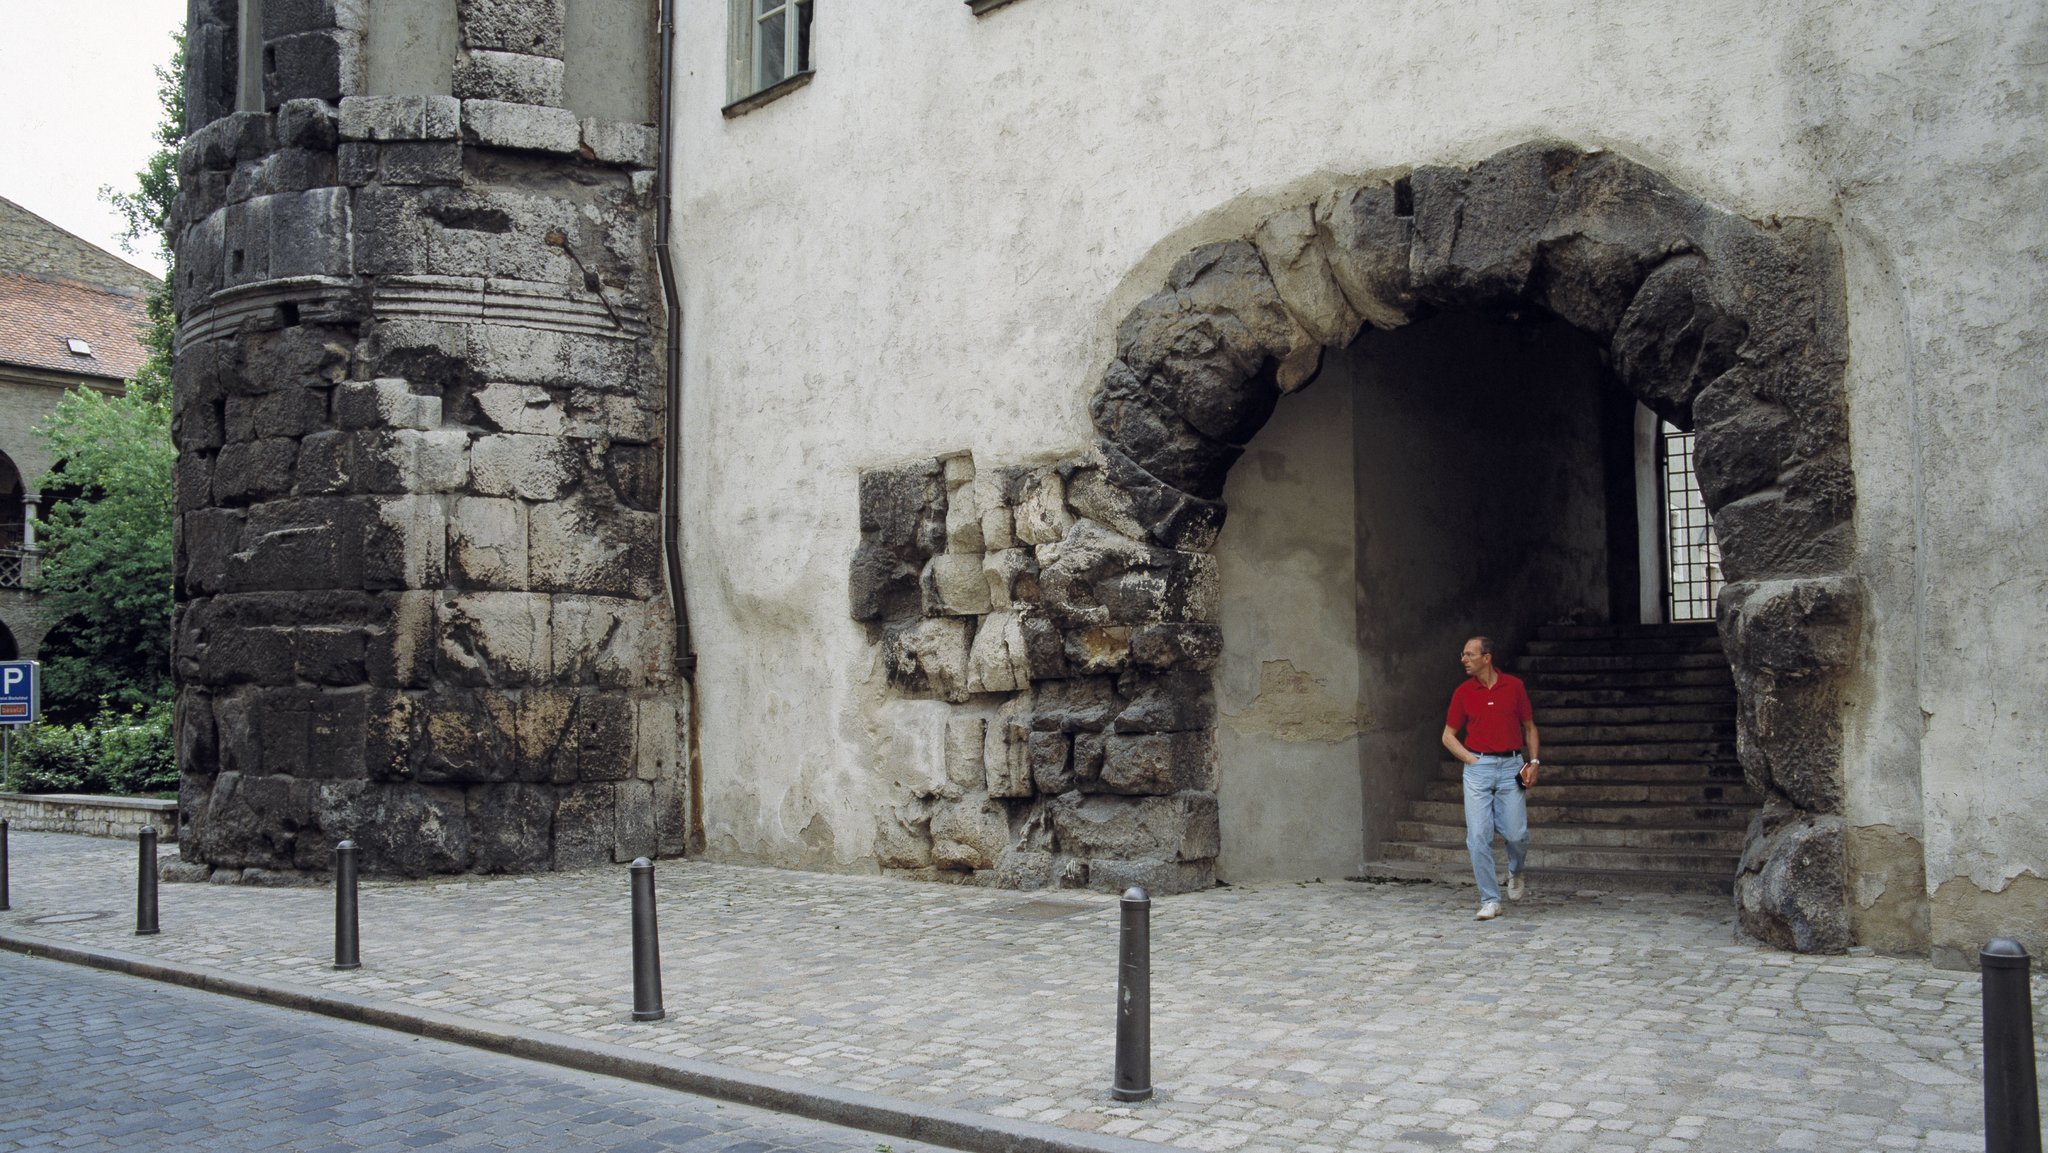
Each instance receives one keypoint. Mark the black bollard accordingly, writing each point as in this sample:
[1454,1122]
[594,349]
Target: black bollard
[1134,999]
[347,941]
[646,949]
[145,883]
[4,906]
[2012,1099]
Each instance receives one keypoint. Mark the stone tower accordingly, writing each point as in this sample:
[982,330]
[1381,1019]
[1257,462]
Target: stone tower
[420,423]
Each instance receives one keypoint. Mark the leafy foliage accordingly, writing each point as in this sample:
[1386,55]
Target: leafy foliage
[117,754]
[107,580]
[148,213]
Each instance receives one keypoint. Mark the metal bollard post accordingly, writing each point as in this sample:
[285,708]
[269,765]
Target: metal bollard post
[347,941]
[1134,999]
[145,883]
[2012,1101]
[4,906]
[646,949]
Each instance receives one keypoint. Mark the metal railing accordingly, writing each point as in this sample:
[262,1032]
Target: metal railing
[20,568]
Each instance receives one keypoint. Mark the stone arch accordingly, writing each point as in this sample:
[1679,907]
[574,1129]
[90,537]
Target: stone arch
[1722,325]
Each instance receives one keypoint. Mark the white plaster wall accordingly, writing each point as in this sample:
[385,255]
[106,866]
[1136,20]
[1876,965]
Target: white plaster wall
[928,248]
[1288,791]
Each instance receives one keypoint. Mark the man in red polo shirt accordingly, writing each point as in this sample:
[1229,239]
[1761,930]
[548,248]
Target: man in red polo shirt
[1492,709]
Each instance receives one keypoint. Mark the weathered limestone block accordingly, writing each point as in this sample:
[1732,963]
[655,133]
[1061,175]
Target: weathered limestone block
[903,524]
[1159,763]
[1106,486]
[292,544]
[409,461]
[1076,705]
[255,470]
[1676,337]
[1366,239]
[533,26]
[520,408]
[1006,756]
[1096,649]
[632,418]
[929,656]
[964,744]
[1176,701]
[1788,641]
[1288,241]
[672,817]
[514,77]
[1104,828]
[288,412]
[589,548]
[998,661]
[1802,529]
[1052,770]
[1098,577]
[309,124]
[1196,647]
[387,403]
[523,127]
[487,543]
[903,837]
[1158,877]
[323,65]
[998,523]
[400,654]
[495,638]
[954,585]
[613,142]
[1044,647]
[1012,576]
[536,468]
[512,823]
[606,641]
[633,820]
[660,743]
[963,514]
[1791,888]
[403,830]
[586,825]
[405,543]
[970,833]
[1041,514]
[286,170]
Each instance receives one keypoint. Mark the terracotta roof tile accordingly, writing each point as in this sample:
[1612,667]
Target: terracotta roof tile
[38,315]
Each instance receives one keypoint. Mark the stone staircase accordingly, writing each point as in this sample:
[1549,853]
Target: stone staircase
[1640,785]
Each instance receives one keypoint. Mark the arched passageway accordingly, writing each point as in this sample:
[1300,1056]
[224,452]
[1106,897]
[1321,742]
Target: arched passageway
[1719,324]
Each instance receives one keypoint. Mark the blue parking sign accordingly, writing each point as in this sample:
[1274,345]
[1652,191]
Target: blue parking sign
[21,692]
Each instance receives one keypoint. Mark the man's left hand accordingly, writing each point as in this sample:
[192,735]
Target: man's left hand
[1529,774]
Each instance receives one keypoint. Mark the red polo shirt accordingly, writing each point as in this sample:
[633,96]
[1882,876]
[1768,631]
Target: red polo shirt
[1491,718]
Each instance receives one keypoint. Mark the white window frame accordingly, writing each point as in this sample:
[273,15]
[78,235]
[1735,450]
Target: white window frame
[744,68]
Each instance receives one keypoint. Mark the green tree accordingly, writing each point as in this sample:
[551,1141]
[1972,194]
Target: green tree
[106,582]
[148,213]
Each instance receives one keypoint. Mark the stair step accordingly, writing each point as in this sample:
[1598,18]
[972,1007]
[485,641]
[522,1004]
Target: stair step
[1733,792]
[1563,771]
[1617,632]
[1532,666]
[1557,732]
[1568,811]
[1558,715]
[1720,678]
[1704,643]
[1545,882]
[1560,754]
[1704,838]
[1541,856]
[1637,697]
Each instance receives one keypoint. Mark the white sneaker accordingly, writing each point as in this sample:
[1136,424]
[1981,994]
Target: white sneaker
[1515,889]
[1488,911]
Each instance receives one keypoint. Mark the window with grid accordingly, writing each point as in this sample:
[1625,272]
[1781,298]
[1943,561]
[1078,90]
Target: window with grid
[771,43]
[1692,556]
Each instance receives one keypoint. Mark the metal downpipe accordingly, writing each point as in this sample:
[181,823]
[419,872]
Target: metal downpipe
[672,367]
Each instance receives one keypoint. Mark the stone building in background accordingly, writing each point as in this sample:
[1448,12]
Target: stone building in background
[71,316]
[1082,432]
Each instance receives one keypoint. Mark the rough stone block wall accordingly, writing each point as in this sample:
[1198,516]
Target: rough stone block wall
[419,418]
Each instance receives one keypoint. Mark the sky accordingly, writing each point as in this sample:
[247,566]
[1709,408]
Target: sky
[78,105]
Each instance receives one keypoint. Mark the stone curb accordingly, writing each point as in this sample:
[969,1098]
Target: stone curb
[889,1116]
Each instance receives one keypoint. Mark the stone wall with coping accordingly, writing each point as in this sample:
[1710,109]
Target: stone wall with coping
[419,419]
[88,816]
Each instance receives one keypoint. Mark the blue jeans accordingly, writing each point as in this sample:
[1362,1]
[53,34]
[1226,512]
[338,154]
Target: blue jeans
[1493,803]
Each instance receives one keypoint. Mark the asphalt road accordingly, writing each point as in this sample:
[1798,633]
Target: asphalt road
[102,1061]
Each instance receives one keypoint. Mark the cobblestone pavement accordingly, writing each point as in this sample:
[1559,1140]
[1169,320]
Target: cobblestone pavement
[1340,1016]
[105,1061]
